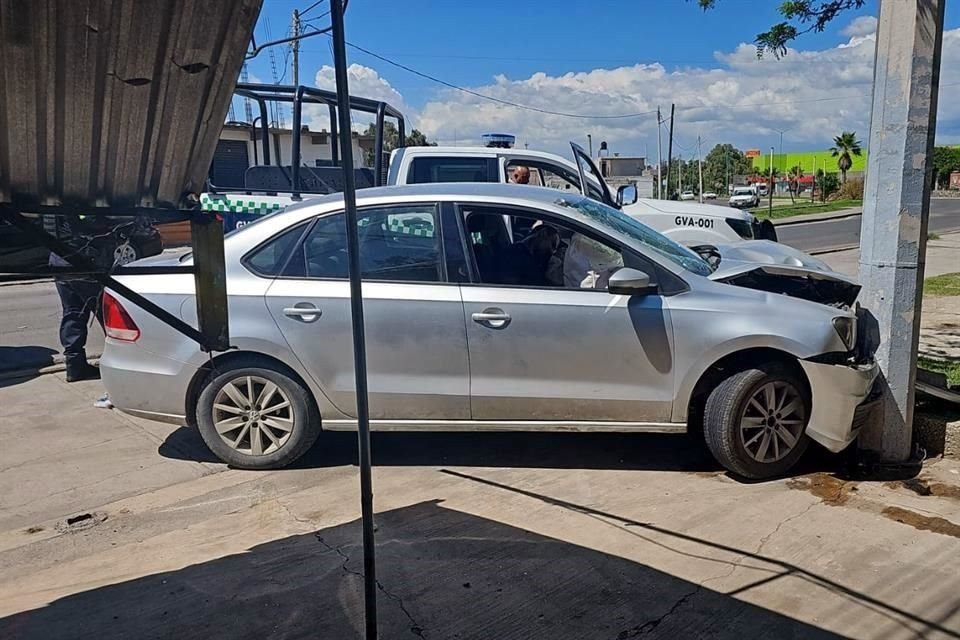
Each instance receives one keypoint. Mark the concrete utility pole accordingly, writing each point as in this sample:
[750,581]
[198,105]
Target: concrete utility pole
[296,48]
[679,173]
[770,186]
[896,207]
[670,149]
[659,158]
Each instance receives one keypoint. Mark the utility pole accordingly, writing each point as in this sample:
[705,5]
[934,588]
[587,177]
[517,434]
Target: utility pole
[700,167]
[896,210]
[590,145]
[659,158]
[783,161]
[296,48]
[770,187]
[813,188]
[670,149]
[679,174]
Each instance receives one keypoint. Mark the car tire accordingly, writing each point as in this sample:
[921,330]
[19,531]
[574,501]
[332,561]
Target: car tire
[253,414]
[739,417]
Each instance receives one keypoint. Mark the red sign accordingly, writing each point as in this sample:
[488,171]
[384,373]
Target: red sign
[752,153]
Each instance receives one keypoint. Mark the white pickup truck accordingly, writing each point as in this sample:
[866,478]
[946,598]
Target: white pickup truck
[689,223]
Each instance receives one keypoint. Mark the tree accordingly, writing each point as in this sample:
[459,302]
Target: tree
[827,184]
[844,146]
[800,16]
[795,173]
[391,137]
[946,160]
[723,163]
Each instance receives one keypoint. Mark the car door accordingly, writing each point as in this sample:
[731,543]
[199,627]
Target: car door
[415,336]
[567,352]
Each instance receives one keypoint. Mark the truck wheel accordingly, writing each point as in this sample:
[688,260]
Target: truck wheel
[253,415]
[755,422]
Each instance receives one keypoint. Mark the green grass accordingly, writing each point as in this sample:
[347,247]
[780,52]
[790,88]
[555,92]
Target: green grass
[802,209]
[933,236]
[946,285]
[950,369]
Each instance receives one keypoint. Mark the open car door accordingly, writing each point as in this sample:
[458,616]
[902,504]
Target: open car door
[585,166]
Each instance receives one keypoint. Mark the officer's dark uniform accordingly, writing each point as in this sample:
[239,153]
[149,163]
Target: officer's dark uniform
[79,295]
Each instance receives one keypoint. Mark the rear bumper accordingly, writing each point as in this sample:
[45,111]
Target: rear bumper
[841,403]
[145,384]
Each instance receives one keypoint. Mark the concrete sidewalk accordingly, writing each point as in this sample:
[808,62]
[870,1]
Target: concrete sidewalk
[113,528]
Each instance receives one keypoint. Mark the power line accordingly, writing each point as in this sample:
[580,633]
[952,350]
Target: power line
[495,99]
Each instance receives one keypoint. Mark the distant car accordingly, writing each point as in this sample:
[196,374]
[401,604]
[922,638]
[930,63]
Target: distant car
[621,329]
[744,198]
[131,240]
[688,195]
[709,195]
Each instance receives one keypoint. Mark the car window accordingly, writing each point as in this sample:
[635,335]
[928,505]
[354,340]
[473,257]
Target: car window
[537,253]
[270,257]
[400,244]
[428,169]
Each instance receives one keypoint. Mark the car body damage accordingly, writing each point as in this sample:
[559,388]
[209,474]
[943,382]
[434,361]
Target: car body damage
[777,268]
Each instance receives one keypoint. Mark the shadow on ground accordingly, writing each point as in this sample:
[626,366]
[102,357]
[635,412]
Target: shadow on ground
[652,452]
[26,360]
[442,574]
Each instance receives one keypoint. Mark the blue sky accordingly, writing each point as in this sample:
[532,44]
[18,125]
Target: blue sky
[631,53]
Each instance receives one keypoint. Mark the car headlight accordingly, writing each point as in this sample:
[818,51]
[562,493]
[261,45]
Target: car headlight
[847,330]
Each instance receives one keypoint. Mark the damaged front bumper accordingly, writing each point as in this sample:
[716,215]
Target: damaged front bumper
[841,401]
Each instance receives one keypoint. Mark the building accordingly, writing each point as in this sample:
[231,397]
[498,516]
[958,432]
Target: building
[240,148]
[620,170]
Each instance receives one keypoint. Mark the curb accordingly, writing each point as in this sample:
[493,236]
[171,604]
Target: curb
[11,283]
[820,252]
[817,217]
[58,366]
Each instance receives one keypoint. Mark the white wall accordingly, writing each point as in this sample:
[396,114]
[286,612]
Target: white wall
[308,150]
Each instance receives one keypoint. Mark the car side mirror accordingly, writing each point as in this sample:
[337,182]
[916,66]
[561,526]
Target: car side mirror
[631,282]
[627,194]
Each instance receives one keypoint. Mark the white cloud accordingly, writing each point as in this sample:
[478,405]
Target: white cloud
[362,81]
[861,26]
[810,95]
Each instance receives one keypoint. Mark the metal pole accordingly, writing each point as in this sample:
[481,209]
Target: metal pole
[334,142]
[679,173]
[700,167]
[659,158]
[783,161]
[896,208]
[356,313]
[669,150]
[590,145]
[378,147]
[770,186]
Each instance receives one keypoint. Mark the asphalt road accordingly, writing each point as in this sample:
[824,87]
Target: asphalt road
[845,233]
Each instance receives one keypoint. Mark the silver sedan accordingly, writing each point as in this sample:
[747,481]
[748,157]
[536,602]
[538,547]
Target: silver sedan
[497,307]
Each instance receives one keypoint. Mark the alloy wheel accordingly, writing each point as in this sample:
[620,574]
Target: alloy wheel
[253,415]
[773,421]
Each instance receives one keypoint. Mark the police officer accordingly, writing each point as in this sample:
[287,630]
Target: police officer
[79,294]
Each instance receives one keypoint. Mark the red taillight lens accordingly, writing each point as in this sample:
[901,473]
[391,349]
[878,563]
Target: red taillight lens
[117,323]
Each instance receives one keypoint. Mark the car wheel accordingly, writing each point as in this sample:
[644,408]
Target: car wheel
[253,415]
[125,254]
[755,422]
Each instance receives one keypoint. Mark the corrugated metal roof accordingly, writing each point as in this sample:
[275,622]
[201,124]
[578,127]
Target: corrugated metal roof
[115,102]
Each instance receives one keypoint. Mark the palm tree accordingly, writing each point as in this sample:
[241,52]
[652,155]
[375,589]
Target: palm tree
[844,146]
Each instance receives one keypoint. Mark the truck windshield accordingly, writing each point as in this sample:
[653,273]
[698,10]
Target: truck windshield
[623,224]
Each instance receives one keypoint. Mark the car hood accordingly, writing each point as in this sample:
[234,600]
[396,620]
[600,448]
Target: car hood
[679,207]
[777,268]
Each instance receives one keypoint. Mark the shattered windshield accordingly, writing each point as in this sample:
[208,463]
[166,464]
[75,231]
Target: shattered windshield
[636,230]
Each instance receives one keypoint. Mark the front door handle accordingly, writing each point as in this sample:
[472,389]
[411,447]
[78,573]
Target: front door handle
[492,317]
[303,311]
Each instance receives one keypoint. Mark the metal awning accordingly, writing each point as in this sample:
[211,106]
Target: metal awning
[115,103]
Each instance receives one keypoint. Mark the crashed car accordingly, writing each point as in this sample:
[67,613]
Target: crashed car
[497,307]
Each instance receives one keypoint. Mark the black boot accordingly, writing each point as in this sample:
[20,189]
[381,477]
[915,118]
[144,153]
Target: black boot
[79,369]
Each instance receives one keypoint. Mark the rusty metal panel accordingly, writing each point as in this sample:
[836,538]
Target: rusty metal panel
[115,103]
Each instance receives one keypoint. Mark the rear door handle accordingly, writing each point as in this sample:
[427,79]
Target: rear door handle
[303,311]
[492,317]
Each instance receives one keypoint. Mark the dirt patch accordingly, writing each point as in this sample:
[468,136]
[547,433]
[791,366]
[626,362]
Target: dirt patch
[922,522]
[923,487]
[33,529]
[831,490]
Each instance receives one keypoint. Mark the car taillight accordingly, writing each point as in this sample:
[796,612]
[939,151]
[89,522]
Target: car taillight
[117,323]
